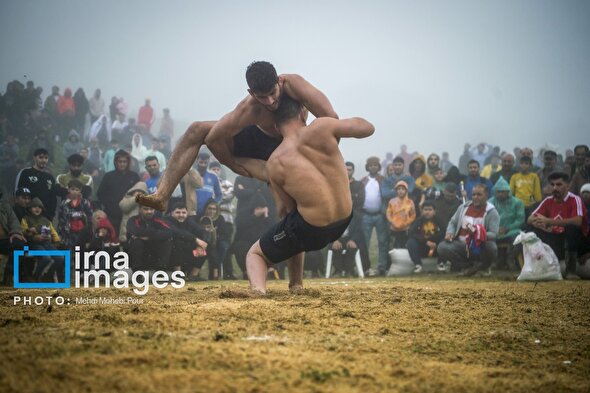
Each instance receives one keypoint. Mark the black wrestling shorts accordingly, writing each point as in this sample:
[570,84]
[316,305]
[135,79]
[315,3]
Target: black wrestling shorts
[251,142]
[293,235]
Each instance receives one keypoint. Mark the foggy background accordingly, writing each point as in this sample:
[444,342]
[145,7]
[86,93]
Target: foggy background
[430,74]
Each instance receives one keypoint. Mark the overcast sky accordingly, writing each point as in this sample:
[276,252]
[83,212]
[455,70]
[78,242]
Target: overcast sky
[430,74]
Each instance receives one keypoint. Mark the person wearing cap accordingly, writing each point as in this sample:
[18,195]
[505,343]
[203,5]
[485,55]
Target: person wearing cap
[41,235]
[211,187]
[11,234]
[40,182]
[446,205]
[401,213]
[75,162]
[582,175]
[74,214]
[511,211]
[22,200]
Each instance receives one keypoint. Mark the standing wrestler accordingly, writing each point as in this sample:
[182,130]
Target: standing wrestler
[308,176]
[247,131]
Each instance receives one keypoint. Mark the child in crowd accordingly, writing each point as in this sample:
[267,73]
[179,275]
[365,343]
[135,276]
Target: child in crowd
[401,213]
[424,235]
[439,179]
[74,215]
[526,185]
[41,235]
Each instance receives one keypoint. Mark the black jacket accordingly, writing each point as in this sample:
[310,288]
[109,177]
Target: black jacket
[42,185]
[154,229]
[184,231]
[417,230]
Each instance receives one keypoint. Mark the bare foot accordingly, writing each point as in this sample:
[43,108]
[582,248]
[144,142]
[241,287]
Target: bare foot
[152,201]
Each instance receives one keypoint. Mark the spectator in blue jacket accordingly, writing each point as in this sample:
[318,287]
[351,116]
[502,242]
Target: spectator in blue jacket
[211,187]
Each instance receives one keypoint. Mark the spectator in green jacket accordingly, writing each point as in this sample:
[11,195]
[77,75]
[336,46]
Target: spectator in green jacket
[511,210]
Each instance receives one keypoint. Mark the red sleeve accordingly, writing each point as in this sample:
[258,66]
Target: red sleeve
[541,209]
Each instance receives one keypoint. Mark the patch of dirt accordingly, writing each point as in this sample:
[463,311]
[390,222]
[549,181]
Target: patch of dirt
[413,334]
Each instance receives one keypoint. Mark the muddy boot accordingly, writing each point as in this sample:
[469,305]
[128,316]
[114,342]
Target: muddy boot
[571,258]
[151,201]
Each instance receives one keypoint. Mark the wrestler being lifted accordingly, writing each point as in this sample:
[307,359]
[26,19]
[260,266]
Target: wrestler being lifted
[307,174]
[248,131]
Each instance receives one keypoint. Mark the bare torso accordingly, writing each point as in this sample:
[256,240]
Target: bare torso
[307,170]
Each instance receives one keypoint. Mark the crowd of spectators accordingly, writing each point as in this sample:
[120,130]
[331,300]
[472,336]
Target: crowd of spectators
[469,215]
[71,168]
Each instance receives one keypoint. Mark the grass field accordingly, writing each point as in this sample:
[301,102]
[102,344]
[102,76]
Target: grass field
[427,333]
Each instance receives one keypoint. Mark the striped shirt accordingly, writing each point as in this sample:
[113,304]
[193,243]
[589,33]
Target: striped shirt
[571,206]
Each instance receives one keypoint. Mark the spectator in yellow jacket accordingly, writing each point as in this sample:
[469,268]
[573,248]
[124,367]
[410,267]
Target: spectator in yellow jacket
[401,213]
[526,185]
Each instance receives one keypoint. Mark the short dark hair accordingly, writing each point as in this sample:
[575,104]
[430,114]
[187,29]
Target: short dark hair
[151,158]
[585,147]
[261,76]
[436,169]
[559,175]
[40,151]
[526,159]
[482,186]
[348,163]
[473,162]
[74,183]
[75,159]
[429,204]
[399,159]
[288,110]
[178,205]
[550,153]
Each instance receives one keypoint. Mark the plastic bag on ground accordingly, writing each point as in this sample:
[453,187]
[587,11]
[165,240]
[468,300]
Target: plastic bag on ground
[401,264]
[540,262]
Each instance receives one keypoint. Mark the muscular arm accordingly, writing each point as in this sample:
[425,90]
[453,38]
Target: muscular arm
[307,94]
[255,167]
